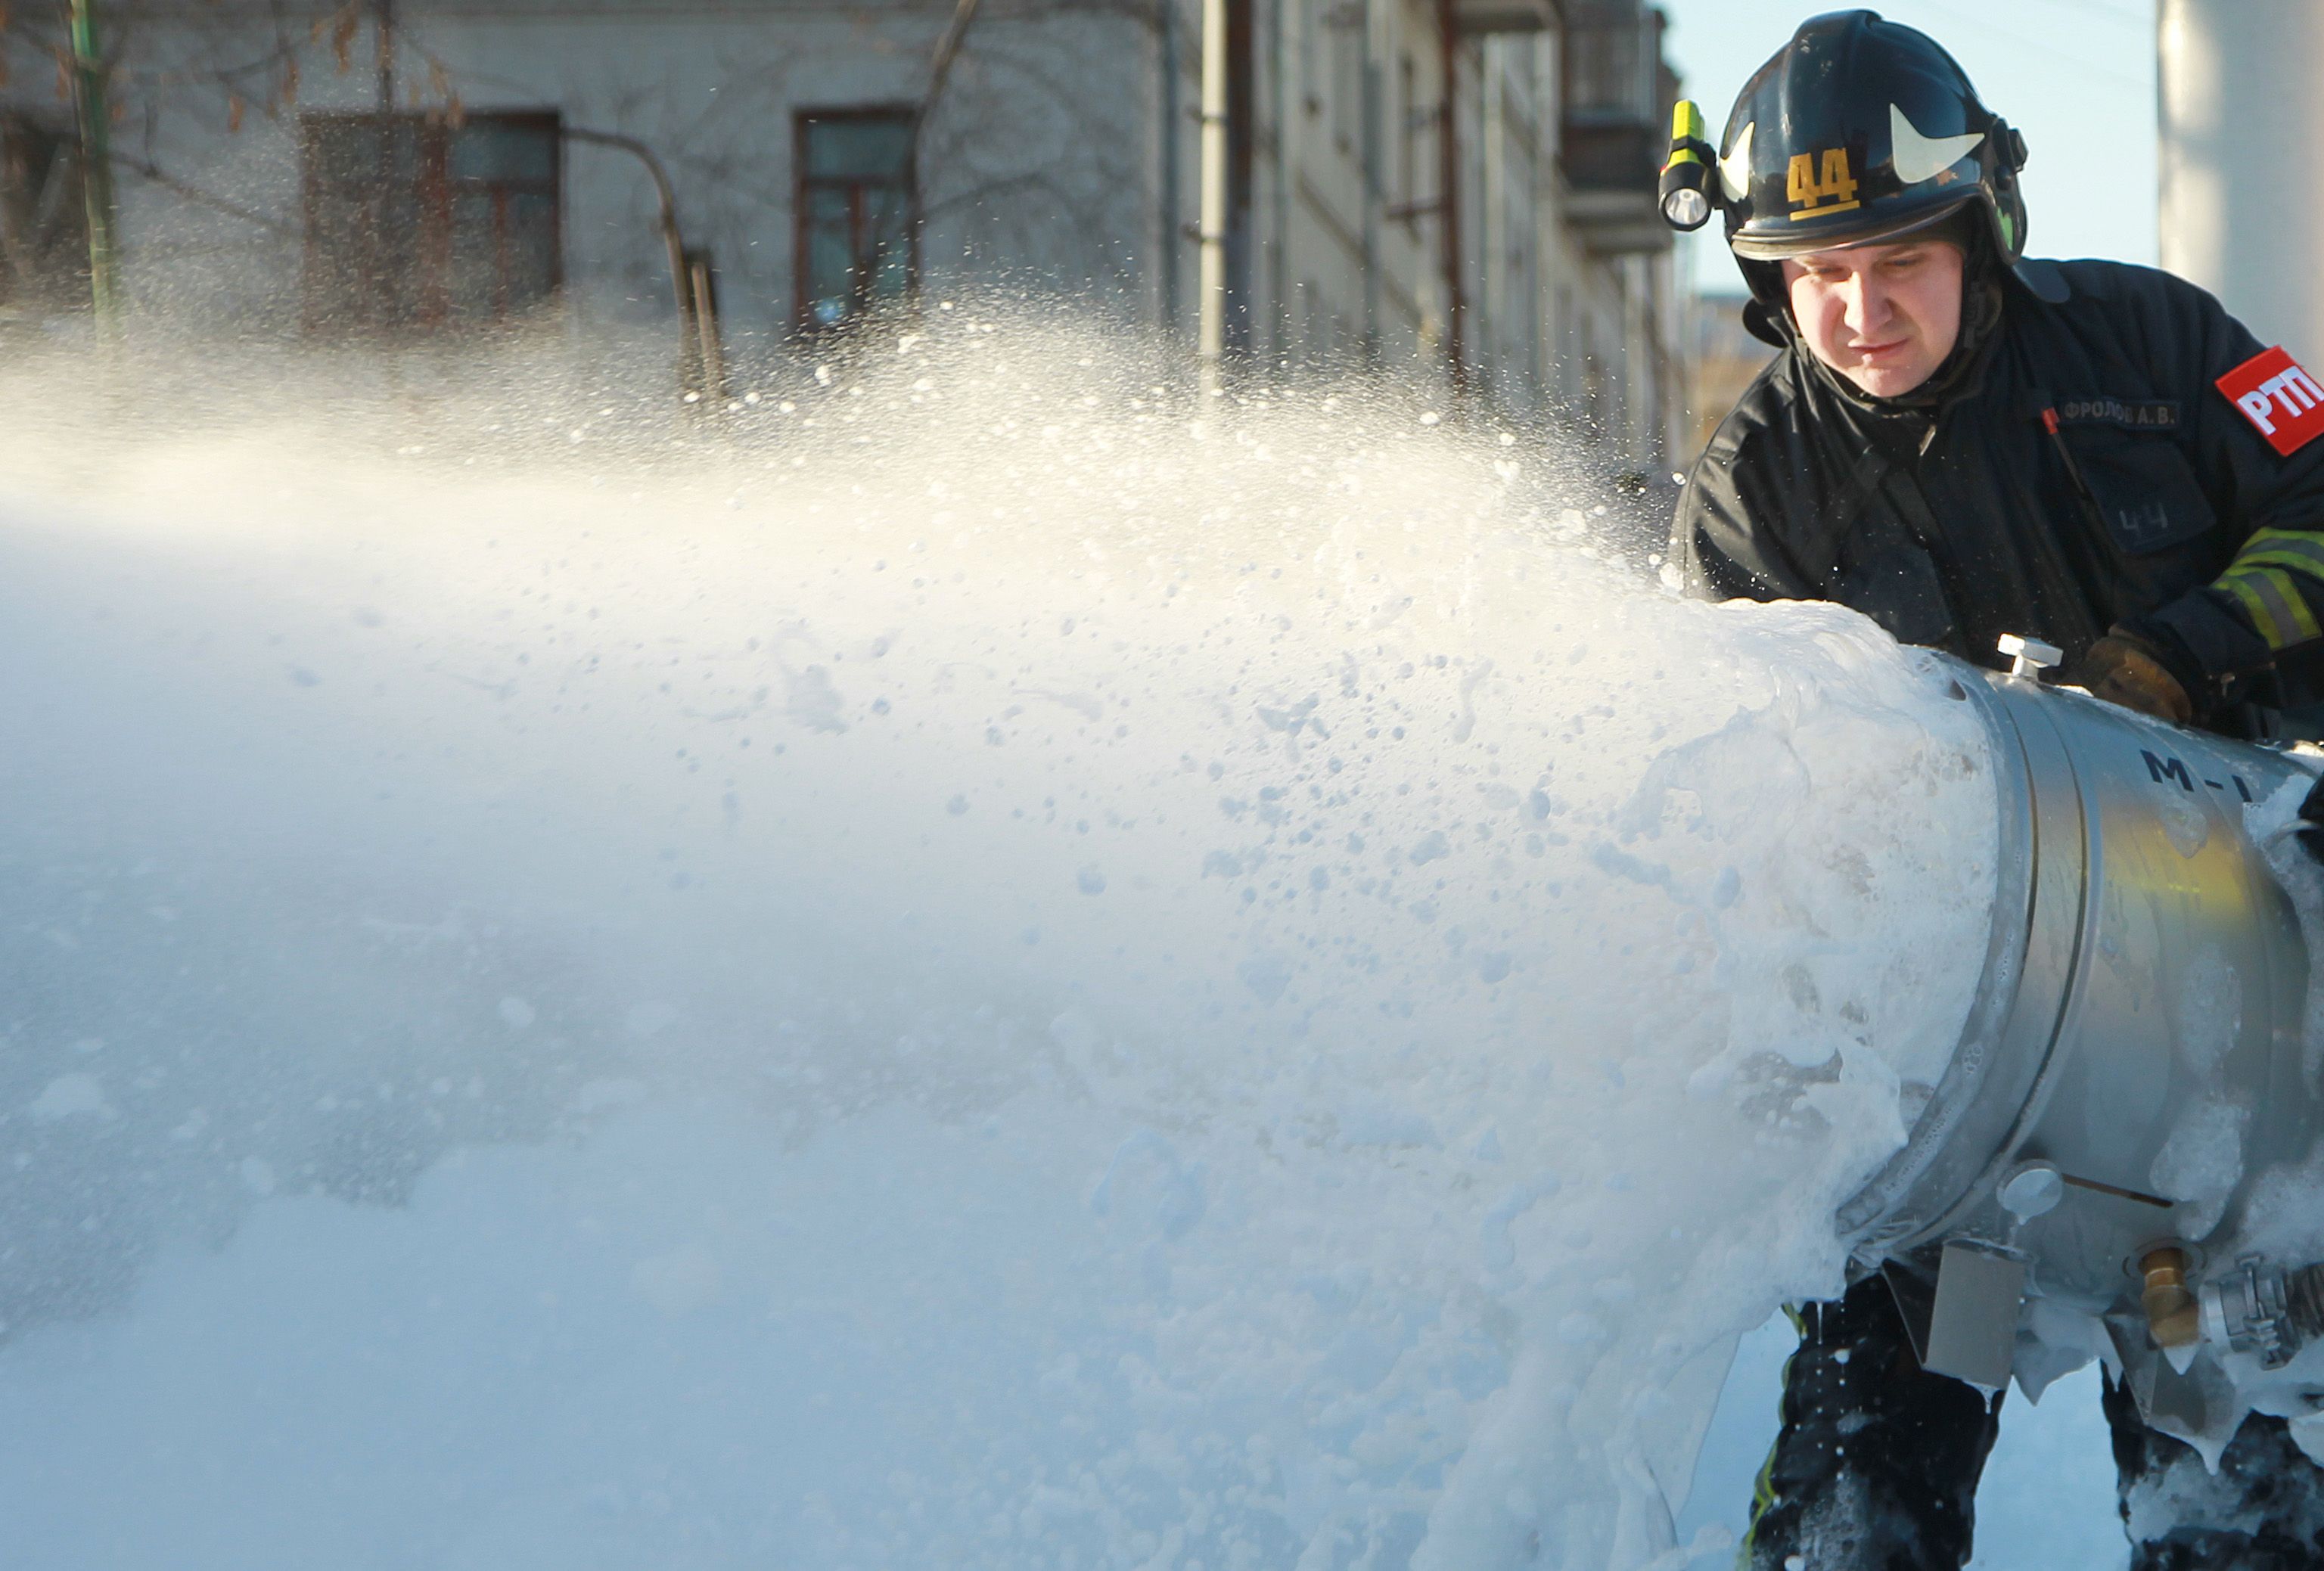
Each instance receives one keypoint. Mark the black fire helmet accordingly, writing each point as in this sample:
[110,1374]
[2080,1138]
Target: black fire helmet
[1861,129]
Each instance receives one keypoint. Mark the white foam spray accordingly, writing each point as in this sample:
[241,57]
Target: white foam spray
[974,975]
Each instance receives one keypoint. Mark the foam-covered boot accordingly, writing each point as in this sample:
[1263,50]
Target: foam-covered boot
[2263,1510]
[1877,1464]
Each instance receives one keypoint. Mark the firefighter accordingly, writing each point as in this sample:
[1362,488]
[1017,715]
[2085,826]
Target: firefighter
[1960,442]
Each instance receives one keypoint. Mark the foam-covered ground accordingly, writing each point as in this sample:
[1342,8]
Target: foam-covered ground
[976,976]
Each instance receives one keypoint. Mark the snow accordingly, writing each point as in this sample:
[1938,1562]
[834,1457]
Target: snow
[69,1096]
[1038,992]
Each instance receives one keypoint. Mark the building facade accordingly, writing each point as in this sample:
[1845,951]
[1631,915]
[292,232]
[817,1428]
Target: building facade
[437,165]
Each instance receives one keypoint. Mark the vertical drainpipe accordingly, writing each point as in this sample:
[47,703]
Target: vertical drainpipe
[1166,11]
[1448,192]
[384,23]
[1493,226]
[1211,277]
[1278,258]
[1375,24]
[383,87]
[90,108]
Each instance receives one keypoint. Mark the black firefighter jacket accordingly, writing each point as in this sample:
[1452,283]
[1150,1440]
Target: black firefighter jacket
[2085,472]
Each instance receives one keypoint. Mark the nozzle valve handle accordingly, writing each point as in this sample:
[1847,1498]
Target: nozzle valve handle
[2029,656]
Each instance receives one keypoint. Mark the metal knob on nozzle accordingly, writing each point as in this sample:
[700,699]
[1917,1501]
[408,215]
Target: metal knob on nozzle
[2028,657]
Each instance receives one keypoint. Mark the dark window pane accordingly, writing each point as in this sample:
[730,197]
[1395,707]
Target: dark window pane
[414,223]
[484,150]
[364,219]
[359,152]
[531,250]
[856,213]
[474,272]
[830,267]
[895,275]
[859,148]
[887,250]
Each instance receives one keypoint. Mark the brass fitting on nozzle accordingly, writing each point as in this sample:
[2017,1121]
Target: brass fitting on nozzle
[2173,1318]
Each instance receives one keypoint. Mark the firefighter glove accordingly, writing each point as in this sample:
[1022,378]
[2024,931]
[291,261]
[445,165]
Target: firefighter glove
[2129,670]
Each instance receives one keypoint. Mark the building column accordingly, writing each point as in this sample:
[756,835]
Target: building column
[2239,106]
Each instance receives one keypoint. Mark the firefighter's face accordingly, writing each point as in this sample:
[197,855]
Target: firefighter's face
[1884,317]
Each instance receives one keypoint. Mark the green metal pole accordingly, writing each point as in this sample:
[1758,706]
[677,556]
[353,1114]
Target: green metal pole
[95,164]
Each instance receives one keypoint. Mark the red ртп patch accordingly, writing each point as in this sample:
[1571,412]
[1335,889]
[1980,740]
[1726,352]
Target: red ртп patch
[2278,398]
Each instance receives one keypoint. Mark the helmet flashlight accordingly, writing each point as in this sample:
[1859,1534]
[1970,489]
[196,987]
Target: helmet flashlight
[1685,190]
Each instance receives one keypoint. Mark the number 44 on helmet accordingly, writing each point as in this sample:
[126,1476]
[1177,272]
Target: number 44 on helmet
[1802,169]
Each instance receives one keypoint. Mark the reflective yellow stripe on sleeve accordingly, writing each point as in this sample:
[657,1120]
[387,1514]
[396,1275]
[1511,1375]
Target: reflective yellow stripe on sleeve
[2274,601]
[2295,551]
[2306,543]
[2266,580]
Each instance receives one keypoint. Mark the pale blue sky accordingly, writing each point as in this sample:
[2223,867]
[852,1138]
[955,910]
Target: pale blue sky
[2077,76]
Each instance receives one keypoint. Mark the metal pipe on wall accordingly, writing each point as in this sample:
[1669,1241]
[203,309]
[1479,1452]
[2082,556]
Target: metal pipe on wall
[1242,226]
[382,15]
[2238,108]
[1279,254]
[1493,216]
[1375,24]
[702,279]
[1166,273]
[1212,278]
[90,111]
[1448,191]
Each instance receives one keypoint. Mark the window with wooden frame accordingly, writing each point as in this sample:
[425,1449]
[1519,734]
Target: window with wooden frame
[420,221]
[857,213]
